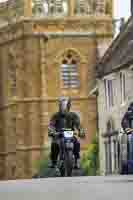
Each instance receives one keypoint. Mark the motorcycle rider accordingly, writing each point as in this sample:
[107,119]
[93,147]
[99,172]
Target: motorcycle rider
[127,121]
[61,120]
[127,125]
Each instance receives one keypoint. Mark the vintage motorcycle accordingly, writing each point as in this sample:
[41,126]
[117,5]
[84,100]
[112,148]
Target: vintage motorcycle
[66,157]
[126,166]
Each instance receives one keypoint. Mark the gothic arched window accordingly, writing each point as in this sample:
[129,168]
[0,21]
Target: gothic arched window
[37,7]
[83,7]
[12,75]
[45,7]
[50,7]
[100,6]
[70,70]
[65,7]
[58,7]
[110,126]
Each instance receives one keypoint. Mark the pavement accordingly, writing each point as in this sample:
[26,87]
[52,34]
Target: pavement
[74,188]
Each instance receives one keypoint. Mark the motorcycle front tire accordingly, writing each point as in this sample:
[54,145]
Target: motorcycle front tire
[69,163]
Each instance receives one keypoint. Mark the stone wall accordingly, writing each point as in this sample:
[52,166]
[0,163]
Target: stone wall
[11,10]
[114,113]
[30,83]
[22,107]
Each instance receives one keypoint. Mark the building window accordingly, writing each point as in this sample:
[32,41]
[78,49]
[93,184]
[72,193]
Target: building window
[110,126]
[38,7]
[123,86]
[13,82]
[12,75]
[58,7]
[65,7]
[108,147]
[111,148]
[108,157]
[109,95]
[115,144]
[69,71]
[50,7]
[83,7]
[100,6]
[45,7]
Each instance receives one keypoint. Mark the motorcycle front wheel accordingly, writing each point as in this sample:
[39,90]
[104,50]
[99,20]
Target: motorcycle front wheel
[62,169]
[69,163]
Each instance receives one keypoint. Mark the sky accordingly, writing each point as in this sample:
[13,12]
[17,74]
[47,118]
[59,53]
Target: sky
[121,8]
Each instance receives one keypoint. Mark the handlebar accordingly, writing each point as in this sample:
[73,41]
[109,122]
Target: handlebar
[129,130]
[60,133]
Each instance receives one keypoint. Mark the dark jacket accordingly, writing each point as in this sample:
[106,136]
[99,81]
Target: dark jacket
[68,120]
[127,121]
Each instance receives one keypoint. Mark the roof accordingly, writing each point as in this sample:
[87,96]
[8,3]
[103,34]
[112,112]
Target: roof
[120,52]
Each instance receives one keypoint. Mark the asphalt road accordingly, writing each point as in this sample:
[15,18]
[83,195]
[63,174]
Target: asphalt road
[75,188]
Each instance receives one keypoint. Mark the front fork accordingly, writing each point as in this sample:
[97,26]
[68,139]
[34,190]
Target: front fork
[65,146]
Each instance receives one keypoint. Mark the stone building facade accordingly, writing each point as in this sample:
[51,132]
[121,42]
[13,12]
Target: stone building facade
[47,49]
[115,93]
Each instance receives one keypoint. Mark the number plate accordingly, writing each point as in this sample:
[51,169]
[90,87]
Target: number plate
[68,134]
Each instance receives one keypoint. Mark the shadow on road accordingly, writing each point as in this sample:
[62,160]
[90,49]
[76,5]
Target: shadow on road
[53,172]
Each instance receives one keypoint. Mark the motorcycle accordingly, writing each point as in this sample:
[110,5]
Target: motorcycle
[127,165]
[66,157]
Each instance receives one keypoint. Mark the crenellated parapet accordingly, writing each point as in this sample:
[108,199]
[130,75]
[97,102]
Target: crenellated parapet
[12,10]
[78,7]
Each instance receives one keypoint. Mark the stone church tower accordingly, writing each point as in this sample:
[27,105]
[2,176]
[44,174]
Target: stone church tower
[48,48]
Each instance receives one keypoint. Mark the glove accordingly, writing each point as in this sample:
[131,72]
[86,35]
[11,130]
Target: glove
[51,131]
[129,130]
[82,133]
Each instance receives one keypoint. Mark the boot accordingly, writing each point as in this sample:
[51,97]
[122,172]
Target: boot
[77,164]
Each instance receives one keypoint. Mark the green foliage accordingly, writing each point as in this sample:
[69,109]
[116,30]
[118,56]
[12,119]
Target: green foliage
[43,170]
[42,164]
[90,159]
[89,162]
